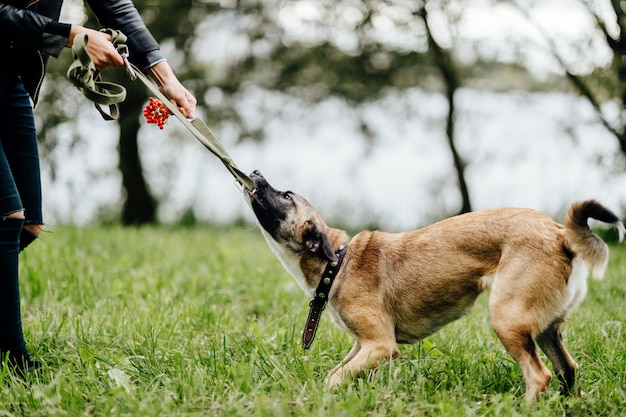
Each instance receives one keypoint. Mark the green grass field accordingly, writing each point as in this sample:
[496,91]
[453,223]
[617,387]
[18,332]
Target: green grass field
[186,322]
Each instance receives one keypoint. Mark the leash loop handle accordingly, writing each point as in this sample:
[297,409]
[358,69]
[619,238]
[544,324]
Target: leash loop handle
[83,74]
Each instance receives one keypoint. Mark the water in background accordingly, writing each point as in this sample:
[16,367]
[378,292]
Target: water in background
[543,151]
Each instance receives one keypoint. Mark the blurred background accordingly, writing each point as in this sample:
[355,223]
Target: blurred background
[383,114]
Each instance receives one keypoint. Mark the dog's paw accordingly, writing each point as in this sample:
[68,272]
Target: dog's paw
[334,380]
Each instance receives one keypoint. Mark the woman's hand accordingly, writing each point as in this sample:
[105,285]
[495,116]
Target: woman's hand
[104,54]
[99,47]
[172,88]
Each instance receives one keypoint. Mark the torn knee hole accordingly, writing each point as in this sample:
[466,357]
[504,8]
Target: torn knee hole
[18,214]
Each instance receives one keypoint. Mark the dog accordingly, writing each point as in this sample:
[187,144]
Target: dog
[394,288]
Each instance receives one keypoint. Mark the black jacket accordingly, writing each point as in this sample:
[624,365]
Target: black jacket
[30,33]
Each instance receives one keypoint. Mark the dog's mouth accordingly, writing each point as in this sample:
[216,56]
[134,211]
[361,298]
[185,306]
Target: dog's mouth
[262,200]
[260,184]
[251,194]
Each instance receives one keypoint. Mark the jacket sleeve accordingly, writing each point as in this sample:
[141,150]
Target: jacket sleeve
[122,15]
[23,32]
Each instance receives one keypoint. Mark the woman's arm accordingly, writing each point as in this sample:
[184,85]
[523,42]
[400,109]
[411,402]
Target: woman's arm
[23,31]
[144,49]
[122,15]
[103,54]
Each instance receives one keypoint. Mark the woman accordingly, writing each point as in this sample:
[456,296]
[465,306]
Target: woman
[29,33]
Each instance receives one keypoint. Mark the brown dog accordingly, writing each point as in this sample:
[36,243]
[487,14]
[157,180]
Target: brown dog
[402,287]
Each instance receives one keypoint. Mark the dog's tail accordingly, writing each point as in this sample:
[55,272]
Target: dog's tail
[586,244]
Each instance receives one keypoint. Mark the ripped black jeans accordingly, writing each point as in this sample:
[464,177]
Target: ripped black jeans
[20,190]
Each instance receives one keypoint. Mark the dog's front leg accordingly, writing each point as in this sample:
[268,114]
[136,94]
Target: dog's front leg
[363,357]
[355,349]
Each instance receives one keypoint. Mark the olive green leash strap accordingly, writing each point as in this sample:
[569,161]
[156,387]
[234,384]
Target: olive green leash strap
[83,74]
[196,126]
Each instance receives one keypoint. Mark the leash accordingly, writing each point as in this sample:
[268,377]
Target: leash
[82,73]
[317,304]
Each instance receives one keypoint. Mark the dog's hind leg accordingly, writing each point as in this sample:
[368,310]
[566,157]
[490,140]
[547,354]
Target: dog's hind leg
[551,342]
[516,326]
[519,342]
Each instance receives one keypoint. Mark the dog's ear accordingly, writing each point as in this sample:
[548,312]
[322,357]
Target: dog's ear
[317,241]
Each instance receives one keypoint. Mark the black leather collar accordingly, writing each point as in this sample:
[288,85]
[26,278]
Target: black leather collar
[318,303]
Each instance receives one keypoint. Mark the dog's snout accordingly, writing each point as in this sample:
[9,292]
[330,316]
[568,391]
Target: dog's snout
[258,179]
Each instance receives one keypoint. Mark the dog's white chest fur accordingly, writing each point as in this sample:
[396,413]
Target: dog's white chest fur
[290,262]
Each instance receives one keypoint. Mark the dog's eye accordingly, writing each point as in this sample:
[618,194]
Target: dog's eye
[287,196]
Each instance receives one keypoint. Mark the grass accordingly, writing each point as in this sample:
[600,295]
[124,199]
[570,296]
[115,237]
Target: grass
[186,322]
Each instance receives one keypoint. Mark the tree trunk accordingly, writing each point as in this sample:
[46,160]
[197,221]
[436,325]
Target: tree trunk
[459,165]
[139,206]
[443,62]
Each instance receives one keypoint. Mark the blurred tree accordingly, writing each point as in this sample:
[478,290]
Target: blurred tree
[169,21]
[349,58]
[601,85]
[613,29]
[444,62]
[355,50]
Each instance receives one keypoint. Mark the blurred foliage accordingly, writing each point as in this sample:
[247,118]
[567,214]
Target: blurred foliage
[269,57]
[312,50]
[598,85]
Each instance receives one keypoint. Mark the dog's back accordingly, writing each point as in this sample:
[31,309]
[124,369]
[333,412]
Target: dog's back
[431,276]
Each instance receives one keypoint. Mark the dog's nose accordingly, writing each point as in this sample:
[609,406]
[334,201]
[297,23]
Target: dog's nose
[258,179]
[256,175]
